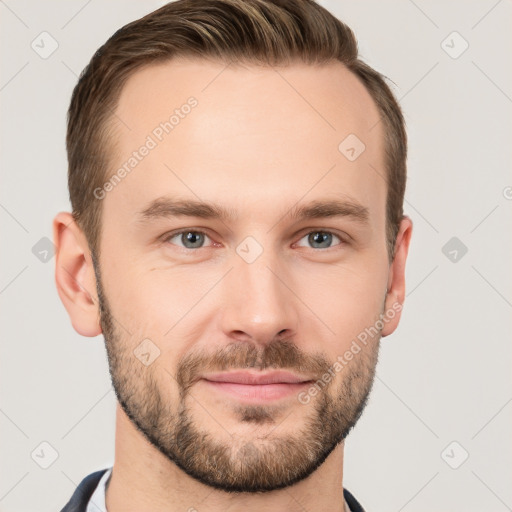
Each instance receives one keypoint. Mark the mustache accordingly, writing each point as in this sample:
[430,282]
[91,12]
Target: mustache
[279,354]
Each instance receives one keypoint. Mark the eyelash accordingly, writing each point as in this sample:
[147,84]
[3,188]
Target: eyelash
[170,236]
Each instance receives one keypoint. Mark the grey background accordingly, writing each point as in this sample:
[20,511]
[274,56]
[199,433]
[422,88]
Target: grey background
[444,375]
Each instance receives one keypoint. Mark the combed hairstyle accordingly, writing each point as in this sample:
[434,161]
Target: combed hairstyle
[262,32]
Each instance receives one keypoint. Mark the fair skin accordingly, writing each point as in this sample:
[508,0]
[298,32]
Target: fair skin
[259,142]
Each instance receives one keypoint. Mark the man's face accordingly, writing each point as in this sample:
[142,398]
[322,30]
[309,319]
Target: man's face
[262,289]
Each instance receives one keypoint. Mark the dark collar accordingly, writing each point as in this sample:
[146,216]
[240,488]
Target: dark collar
[83,493]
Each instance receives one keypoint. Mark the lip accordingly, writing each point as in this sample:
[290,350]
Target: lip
[257,377]
[251,387]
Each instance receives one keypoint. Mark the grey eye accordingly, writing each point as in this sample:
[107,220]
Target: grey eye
[189,239]
[320,239]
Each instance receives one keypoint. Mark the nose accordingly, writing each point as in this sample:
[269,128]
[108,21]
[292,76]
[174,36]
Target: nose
[258,301]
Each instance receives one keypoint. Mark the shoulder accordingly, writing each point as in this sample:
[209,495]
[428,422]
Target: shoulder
[80,498]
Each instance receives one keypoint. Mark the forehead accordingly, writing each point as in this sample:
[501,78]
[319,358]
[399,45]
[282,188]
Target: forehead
[246,136]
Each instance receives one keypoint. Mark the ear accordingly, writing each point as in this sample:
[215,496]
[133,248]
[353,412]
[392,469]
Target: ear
[74,275]
[396,281]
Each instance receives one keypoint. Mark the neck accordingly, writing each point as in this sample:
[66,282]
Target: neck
[144,479]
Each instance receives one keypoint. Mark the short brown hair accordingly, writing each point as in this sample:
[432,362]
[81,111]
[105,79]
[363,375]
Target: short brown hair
[271,32]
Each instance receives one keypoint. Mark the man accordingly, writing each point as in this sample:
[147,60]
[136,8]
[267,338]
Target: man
[237,179]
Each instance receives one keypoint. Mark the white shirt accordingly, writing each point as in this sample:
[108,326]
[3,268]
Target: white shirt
[97,500]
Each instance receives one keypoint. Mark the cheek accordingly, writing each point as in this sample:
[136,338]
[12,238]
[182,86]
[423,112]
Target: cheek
[346,299]
[165,304]
[148,300]
[162,306]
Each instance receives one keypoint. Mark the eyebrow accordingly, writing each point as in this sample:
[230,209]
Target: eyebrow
[167,207]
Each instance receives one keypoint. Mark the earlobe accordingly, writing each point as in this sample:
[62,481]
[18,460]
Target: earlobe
[396,282]
[74,275]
